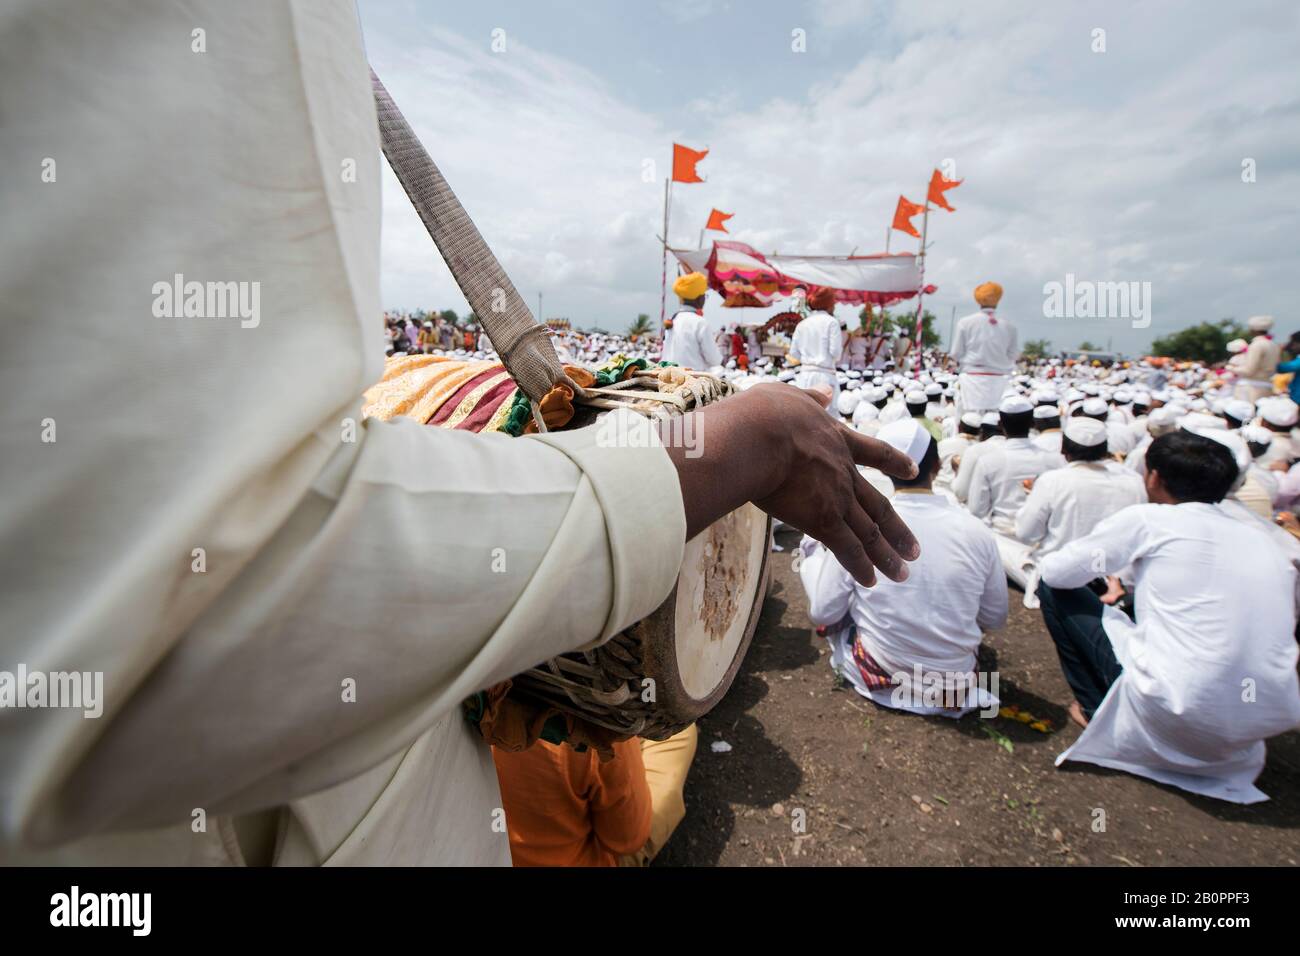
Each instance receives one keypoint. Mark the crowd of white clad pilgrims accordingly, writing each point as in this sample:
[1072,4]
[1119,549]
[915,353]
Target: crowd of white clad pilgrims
[1142,508]
[1174,620]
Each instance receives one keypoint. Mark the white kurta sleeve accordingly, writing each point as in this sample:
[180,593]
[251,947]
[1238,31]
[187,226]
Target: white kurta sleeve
[980,500]
[834,343]
[1113,545]
[1013,346]
[828,586]
[993,601]
[278,595]
[1031,520]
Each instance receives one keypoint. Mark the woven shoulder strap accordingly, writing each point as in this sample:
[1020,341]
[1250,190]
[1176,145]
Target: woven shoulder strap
[522,343]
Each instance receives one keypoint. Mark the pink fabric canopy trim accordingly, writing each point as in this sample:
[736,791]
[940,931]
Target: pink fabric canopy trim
[735,268]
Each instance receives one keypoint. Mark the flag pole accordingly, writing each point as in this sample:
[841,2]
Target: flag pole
[663,281]
[920,292]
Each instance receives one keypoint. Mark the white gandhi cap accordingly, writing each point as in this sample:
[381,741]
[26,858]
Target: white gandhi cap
[1087,432]
[908,436]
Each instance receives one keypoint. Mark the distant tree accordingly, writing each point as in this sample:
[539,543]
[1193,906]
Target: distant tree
[471,320]
[1086,346]
[1206,342]
[641,326]
[1036,349]
[449,315]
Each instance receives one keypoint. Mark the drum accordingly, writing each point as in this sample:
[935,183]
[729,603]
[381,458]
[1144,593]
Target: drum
[664,672]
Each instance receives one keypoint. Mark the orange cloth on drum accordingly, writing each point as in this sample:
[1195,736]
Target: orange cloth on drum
[557,404]
[582,377]
[511,724]
[565,808]
[556,407]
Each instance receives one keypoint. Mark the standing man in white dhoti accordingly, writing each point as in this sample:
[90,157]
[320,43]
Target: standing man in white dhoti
[817,343]
[985,348]
[285,604]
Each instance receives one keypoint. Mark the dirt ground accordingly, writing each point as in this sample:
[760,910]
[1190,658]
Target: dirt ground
[818,776]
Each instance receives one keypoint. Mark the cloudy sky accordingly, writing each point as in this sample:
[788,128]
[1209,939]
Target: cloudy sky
[1122,165]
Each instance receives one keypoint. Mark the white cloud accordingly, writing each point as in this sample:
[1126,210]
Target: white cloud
[1123,165]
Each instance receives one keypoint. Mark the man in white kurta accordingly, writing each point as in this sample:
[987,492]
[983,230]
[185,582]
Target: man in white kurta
[985,347]
[967,437]
[816,344]
[1067,503]
[1047,427]
[931,624]
[970,458]
[272,678]
[997,487]
[1188,694]
[689,342]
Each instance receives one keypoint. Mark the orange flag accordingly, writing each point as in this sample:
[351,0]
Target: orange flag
[684,160]
[903,216]
[716,220]
[939,186]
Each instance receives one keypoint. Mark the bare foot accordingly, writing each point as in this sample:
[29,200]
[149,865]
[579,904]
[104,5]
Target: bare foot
[1076,714]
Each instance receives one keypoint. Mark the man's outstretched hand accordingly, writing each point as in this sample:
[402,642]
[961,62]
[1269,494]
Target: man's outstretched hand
[775,445]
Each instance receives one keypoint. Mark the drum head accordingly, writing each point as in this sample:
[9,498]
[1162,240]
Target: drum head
[701,633]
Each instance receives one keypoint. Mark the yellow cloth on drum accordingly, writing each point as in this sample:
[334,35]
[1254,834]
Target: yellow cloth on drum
[667,763]
[414,388]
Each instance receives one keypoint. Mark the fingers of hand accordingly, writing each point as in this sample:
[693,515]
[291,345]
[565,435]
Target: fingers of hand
[821,394]
[897,536]
[848,550]
[876,454]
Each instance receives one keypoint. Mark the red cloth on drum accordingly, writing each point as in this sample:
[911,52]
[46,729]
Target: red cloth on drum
[565,808]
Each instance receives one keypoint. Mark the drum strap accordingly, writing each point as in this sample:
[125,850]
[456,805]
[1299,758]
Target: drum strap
[522,343]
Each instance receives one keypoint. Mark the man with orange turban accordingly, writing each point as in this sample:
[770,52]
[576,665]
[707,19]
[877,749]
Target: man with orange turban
[691,344]
[817,345]
[986,348]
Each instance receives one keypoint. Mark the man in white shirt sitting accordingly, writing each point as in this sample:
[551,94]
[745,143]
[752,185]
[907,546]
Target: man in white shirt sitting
[991,437]
[968,432]
[1067,503]
[689,342]
[1188,694]
[1047,425]
[912,646]
[866,415]
[997,487]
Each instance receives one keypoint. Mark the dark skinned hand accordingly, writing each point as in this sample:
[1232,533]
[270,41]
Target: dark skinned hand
[776,446]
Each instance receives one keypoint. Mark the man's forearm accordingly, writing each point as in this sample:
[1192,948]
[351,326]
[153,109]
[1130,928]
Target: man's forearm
[726,465]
